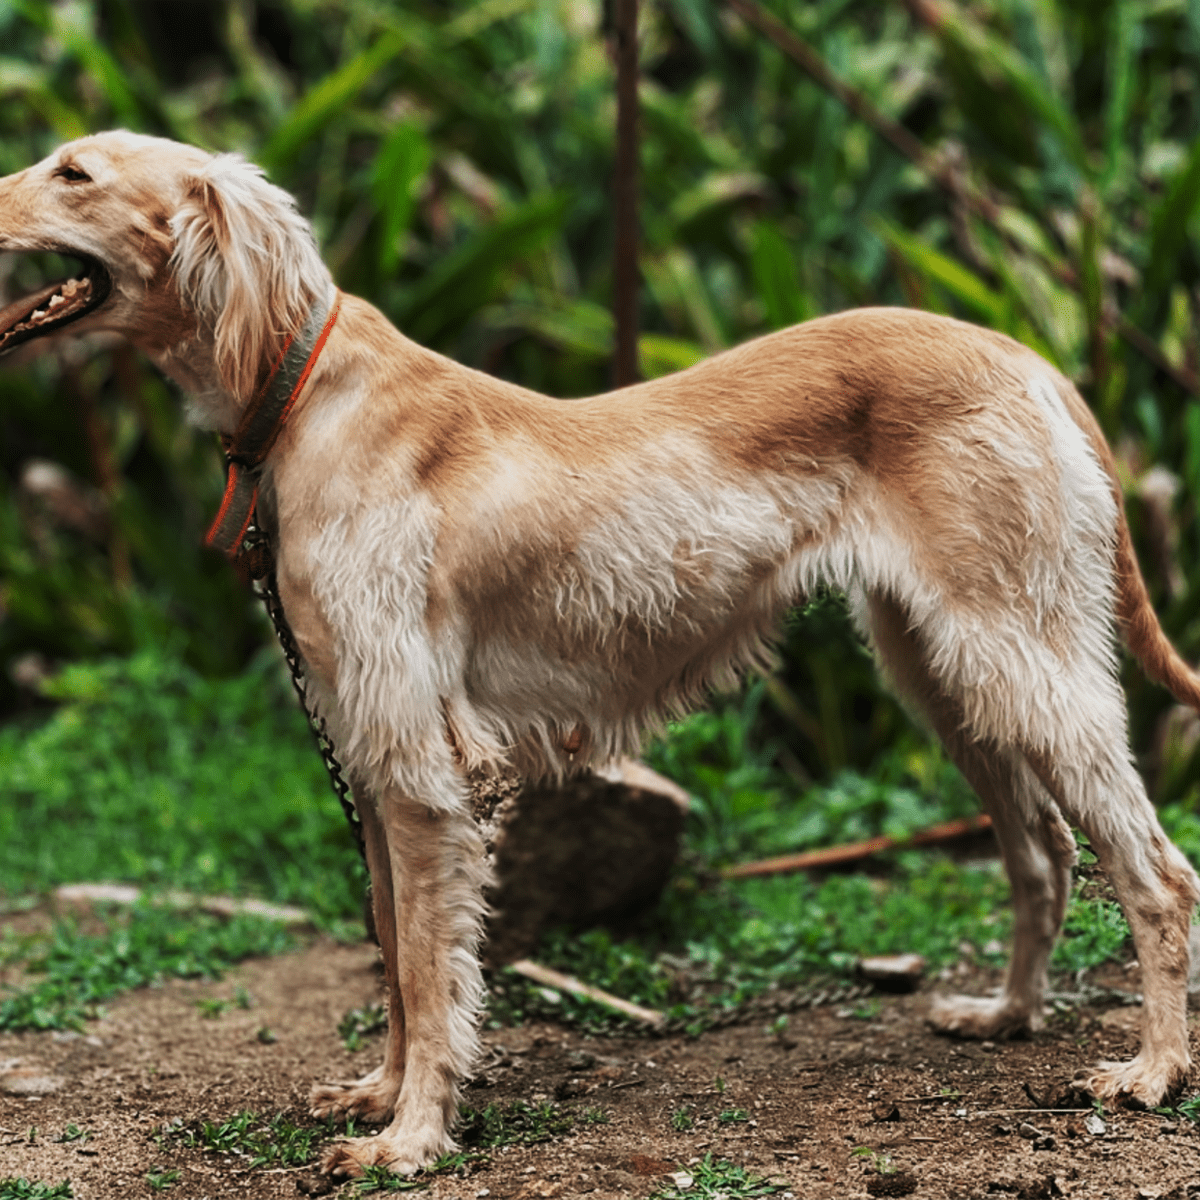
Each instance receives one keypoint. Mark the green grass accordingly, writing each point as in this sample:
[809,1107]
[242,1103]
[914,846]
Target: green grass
[716,1179]
[380,1179]
[361,1023]
[72,971]
[167,778]
[275,1141]
[515,1124]
[22,1189]
[279,1142]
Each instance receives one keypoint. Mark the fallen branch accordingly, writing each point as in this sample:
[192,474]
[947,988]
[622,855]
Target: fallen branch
[567,983]
[835,856]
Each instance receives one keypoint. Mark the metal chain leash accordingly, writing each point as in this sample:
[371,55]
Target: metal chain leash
[260,562]
[766,1005]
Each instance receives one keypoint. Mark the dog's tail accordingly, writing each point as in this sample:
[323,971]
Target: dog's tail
[1136,618]
[1140,628]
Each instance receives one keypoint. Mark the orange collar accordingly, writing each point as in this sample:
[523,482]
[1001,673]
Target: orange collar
[261,425]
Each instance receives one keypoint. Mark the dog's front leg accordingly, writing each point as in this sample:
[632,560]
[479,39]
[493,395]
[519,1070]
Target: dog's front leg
[438,870]
[373,1098]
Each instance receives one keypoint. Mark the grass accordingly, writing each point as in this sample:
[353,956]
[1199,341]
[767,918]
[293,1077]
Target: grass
[716,1179]
[72,972]
[279,1142]
[361,1023]
[167,778]
[275,1141]
[515,1124]
[22,1189]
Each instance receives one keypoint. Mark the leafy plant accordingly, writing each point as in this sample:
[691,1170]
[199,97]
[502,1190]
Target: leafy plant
[211,1007]
[712,1178]
[515,1124]
[21,1189]
[74,972]
[170,778]
[277,1140]
[360,1023]
[73,1133]
[881,1164]
[1094,931]
[380,1179]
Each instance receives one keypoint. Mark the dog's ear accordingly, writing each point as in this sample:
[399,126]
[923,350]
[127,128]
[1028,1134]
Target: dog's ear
[246,263]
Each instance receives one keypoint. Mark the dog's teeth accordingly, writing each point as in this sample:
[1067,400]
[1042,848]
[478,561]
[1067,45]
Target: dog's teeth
[70,286]
[56,300]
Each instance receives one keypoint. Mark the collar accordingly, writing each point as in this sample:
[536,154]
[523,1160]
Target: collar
[262,423]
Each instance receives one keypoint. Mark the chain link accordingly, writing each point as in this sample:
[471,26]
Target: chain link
[259,557]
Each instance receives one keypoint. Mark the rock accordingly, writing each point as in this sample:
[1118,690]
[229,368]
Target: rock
[315,1185]
[29,1081]
[893,972]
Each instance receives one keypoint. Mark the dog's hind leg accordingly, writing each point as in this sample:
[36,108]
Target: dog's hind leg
[438,869]
[373,1098]
[1099,789]
[1035,842]
[1038,852]
[1060,718]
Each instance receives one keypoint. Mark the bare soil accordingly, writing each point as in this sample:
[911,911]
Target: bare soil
[953,1116]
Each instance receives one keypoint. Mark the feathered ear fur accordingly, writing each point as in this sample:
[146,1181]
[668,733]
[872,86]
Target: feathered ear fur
[246,264]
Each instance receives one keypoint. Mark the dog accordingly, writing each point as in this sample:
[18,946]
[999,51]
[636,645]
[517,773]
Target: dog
[479,577]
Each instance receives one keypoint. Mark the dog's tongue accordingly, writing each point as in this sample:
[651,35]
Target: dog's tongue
[12,313]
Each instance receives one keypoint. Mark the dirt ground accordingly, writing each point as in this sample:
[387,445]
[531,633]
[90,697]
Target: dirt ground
[954,1116]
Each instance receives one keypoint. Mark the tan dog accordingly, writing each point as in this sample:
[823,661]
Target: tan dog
[478,575]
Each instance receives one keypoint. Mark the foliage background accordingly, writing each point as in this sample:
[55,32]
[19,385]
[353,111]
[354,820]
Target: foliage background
[455,158]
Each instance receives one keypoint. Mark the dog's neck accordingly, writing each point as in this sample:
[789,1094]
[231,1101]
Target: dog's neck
[190,363]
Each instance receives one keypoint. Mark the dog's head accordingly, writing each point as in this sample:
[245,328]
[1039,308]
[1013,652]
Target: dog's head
[187,254]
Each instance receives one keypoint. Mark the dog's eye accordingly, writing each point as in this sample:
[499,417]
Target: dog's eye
[72,174]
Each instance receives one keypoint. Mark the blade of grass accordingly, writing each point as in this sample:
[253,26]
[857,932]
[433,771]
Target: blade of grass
[450,291]
[960,281]
[328,98]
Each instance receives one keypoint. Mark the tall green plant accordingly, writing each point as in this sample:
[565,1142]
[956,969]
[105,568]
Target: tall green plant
[456,160]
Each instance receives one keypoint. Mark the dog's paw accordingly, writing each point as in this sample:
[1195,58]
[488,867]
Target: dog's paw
[371,1099]
[400,1150]
[1139,1083]
[981,1017]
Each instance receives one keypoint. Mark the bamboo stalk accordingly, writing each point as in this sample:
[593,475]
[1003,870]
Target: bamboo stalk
[625,196]
[834,856]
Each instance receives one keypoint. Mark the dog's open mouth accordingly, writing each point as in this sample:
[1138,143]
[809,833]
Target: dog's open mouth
[50,307]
